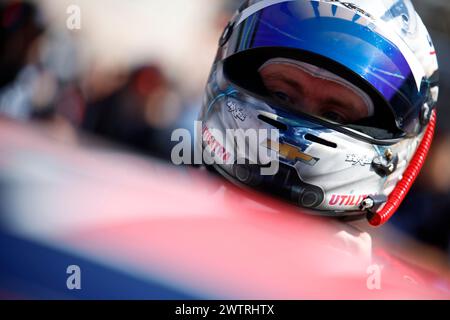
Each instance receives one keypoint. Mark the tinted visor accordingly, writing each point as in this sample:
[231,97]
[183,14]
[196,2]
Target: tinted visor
[326,33]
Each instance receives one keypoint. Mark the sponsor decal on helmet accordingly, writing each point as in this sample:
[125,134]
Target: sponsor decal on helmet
[237,112]
[346,200]
[290,152]
[215,146]
[359,160]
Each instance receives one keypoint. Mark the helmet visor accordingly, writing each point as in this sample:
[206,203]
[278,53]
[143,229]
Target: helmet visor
[341,36]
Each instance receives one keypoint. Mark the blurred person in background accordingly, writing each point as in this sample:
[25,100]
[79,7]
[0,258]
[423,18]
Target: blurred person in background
[38,70]
[21,28]
[139,113]
[143,106]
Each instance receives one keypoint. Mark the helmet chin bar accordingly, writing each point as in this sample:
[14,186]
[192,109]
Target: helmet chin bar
[397,196]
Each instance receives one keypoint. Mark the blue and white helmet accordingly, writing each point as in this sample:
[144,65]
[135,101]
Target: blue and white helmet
[380,49]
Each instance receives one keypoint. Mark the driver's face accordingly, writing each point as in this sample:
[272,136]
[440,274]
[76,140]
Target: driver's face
[303,92]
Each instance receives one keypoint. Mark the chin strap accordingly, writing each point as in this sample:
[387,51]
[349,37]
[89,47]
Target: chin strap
[401,190]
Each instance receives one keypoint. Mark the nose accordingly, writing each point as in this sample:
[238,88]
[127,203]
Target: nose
[309,104]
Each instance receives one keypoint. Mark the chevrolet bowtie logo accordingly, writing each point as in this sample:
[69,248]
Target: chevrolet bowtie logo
[289,152]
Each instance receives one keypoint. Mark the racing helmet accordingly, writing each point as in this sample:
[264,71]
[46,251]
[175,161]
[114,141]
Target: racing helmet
[361,165]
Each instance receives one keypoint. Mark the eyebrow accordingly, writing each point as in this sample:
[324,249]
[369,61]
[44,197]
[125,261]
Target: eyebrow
[289,81]
[299,88]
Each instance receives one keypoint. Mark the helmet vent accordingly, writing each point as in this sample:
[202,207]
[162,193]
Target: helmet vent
[324,142]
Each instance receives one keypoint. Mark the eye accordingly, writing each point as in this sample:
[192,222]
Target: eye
[333,116]
[284,97]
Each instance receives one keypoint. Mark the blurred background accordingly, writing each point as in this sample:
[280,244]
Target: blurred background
[130,73]
[135,70]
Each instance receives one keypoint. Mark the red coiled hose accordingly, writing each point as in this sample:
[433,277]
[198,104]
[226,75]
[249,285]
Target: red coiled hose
[410,175]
